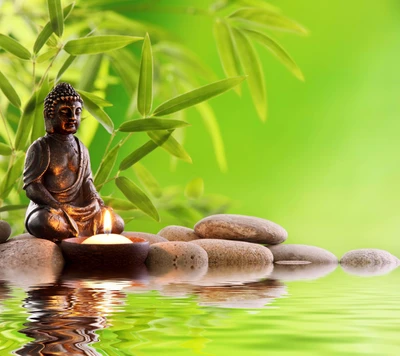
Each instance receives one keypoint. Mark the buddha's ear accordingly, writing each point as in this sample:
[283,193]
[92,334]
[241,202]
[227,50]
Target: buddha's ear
[48,124]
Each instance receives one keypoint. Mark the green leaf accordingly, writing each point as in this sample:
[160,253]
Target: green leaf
[197,96]
[138,154]
[47,55]
[119,204]
[56,16]
[12,46]
[187,216]
[145,87]
[25,124]
[12,175]
[148,180]
[91,69]
[98,44]
[226,50]
[38,126]
[9,91]
[106,167]
[195,188]
[252,67]
[265,18]
[211,123]
[5,150]
[96,99]
[64,67]
[278,51]
[151,125]
[171,145]
[13,207]
[97,112]
[127,67]
[47,30]
[135,195]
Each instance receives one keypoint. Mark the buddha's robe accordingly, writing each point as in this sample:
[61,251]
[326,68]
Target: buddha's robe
[85,213]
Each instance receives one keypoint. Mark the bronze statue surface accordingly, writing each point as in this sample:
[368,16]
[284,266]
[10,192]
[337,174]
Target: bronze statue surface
[58,178]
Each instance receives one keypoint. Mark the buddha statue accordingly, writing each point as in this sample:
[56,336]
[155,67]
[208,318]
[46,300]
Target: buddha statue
[58,178]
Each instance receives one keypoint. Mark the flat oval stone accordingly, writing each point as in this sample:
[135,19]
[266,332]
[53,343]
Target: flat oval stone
[30,262]
[178,233]
[234,253]
[292,252]
[288,272]
[166,256]
[240,228]
[369,262]
[5,231]
[151,238]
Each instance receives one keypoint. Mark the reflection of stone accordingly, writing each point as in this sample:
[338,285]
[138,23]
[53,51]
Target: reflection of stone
[151,238]
[304,271]
[5,231]
[240,228]
[292,252]
[234,275]
[248,296]
[234,253]
[29,262]
[369,262]
[178,233]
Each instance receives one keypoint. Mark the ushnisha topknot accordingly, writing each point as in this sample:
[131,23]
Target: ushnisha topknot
[61,92]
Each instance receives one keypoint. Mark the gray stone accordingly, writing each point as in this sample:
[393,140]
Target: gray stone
[30,262]
[368,262]
[176,255]
[240,228]
[301,271]
[24,236]
[313,254]
[234,253]
[151,238]
[178,233]
[5,231]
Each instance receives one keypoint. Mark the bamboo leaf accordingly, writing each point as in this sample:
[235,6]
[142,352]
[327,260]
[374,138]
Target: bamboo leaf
[187,216]
[127,67]
[9,91]
[197,96]
[252,67]
[5,150]
[148,180]
[96,99]
[98,113]
[25,124]
[171,145]
[12,175]
[13,207]
[64,67]
[47,30]
[211,123]
[106,167]
[265,18]
[91,70]
[151,125]
[226,50]
[135,195]
[145,87]
[47,55]
[278,51]
[195,188]
[138,154]
[119,204]
[98,44]
[37,126]
[56,16]
[12,46]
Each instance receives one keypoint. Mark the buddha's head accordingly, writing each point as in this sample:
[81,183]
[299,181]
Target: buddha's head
[62,110]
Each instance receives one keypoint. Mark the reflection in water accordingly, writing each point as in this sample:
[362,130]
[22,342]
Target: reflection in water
[370,270]
[65,315]
[296,272]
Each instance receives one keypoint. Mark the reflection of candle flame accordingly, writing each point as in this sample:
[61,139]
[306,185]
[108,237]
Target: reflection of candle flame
[107,222]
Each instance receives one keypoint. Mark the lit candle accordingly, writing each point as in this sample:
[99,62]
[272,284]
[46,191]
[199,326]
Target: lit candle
[107,238]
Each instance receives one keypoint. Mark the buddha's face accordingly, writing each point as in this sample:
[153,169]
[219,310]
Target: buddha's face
[67,117]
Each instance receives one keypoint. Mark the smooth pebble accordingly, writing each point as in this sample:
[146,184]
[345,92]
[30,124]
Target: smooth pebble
[151,238]
[178,233]
[304,253]
[5,231]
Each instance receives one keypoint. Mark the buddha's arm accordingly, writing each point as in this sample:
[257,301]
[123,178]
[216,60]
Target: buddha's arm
[91,192]
[37,192]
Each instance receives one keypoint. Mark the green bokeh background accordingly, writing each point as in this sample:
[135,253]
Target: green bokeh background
[325,164]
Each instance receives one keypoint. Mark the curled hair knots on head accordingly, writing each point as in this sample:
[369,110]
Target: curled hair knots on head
[61,92]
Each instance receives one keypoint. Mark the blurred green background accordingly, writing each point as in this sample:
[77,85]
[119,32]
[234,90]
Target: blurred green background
[325,164]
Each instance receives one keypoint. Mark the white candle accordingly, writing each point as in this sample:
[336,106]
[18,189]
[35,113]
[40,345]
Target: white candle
[107,239]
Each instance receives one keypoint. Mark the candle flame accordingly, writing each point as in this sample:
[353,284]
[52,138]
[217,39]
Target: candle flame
[107,224]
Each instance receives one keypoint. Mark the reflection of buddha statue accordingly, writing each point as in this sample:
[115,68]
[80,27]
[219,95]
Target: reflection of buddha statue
[57,176]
